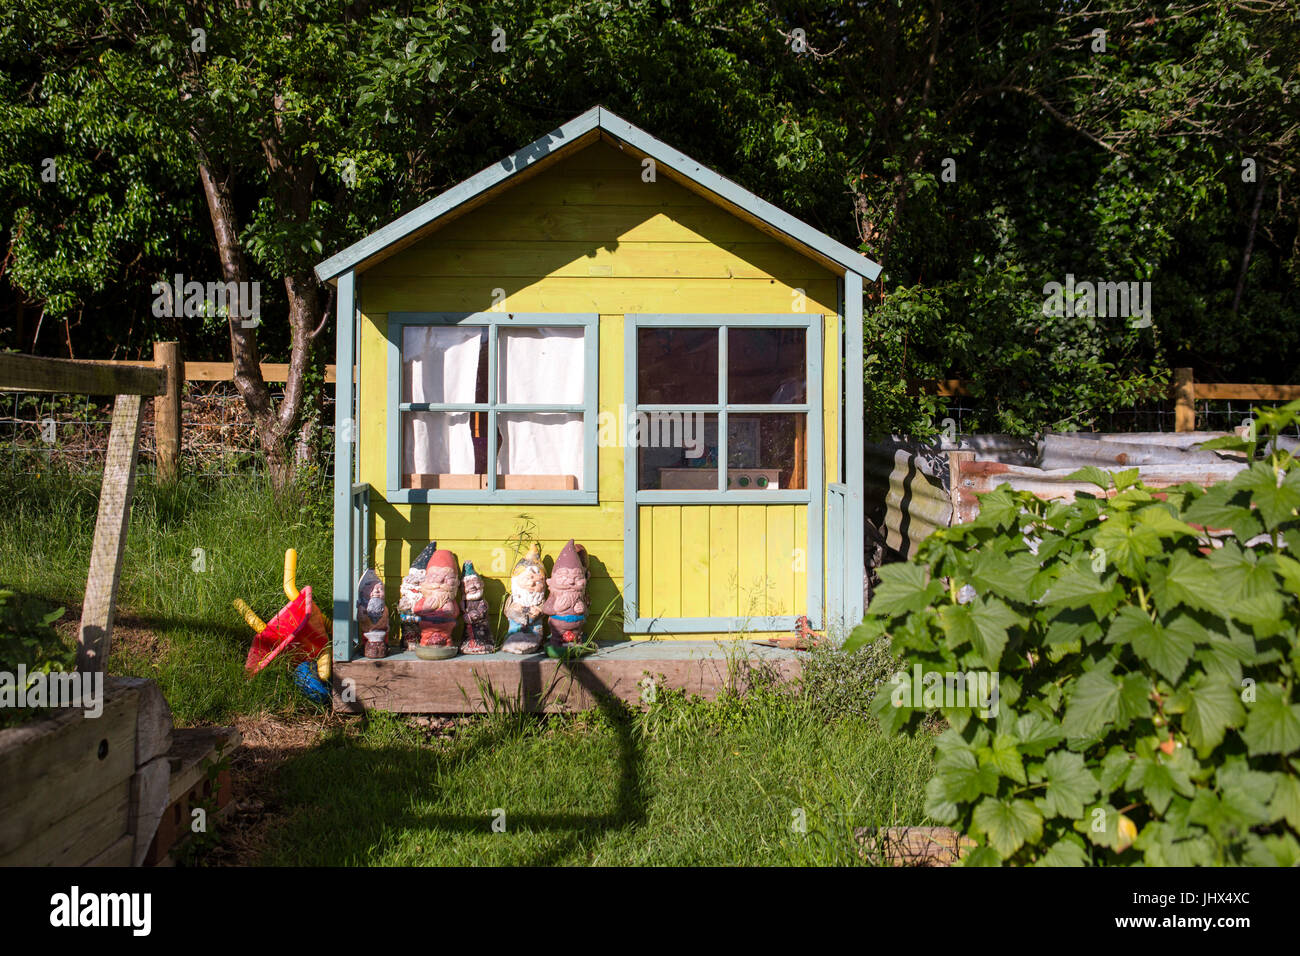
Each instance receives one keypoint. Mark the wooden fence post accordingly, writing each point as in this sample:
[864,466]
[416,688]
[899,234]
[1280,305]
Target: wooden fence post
[96,630]
[167,412]
[1184,400]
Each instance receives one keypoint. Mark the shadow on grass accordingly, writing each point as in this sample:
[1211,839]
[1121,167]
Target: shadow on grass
[369,792]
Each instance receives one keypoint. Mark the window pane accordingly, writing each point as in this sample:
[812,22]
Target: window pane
[767,451]
[539,451]
[677,366]
[676,451]
[766,366]
[540,366]
[444,450]
[444,364]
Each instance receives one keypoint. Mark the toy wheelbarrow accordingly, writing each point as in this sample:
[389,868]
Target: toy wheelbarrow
[298,625]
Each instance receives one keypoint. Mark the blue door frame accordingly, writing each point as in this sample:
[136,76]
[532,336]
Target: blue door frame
[812,496]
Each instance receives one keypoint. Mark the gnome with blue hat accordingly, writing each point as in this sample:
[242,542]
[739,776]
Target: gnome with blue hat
[474,607]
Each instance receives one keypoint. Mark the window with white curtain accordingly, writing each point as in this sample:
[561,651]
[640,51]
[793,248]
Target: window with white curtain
[493,402]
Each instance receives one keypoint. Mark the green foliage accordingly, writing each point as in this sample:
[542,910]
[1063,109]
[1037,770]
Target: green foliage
[1147,707]
[28,639]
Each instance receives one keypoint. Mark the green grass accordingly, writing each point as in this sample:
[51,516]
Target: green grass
[685,783]
[200,641]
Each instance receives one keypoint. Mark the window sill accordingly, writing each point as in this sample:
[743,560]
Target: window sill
[432,496]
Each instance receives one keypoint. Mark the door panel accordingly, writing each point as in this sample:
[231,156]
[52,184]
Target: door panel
[723,561]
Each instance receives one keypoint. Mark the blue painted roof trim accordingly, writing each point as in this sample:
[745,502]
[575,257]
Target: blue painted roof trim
[596,118]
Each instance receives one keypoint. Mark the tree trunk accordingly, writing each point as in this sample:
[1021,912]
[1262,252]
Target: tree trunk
[274,425]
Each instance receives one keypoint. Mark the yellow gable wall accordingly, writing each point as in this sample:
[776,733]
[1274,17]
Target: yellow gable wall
[589,235]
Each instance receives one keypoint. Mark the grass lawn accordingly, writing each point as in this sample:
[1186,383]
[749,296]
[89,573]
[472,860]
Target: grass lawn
[771,778]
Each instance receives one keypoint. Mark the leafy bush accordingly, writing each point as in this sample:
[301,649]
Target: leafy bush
[840,684]
[1145,670]
[28,639]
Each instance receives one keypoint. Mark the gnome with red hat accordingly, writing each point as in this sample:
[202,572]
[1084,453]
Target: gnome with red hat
[566,605]
[429,600]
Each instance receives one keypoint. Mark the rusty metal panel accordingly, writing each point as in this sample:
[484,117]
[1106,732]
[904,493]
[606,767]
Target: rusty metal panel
[977,477]
[910,493]
[1104,451]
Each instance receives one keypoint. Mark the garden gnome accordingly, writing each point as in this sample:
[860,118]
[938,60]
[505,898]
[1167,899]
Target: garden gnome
[372,614]
[437,609]
[478,632]
[524,604]
[566,607]
[410,595]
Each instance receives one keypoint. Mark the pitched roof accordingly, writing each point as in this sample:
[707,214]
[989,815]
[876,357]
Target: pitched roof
[598,122]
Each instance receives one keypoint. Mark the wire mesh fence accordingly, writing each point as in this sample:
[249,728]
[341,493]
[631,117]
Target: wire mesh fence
[1212,415]
[70,432]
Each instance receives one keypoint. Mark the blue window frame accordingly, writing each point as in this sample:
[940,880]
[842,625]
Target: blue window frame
[493,324]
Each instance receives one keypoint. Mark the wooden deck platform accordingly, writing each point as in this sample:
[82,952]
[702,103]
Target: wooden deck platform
[631,671]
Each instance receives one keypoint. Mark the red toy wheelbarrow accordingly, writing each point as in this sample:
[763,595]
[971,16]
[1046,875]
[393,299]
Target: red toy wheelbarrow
[298,625]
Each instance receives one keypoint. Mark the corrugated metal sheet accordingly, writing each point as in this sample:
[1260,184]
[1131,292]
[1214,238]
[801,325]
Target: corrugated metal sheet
[910,492]
[906,489]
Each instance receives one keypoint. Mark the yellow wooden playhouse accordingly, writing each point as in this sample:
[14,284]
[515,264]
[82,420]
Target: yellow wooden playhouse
[597,338]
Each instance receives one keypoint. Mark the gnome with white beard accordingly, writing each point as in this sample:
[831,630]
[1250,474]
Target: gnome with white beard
[523,605]
[372,614]
[566,605]
[474,607]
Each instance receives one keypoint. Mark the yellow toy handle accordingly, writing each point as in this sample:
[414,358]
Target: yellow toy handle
[290,574]
[250,618]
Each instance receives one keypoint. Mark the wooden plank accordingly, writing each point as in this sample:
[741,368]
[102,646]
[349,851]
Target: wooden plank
[81,836]
[225,372]
[569,185]
[153,725]
[148,801]
[560,294]
[191,749]
[530,258]
[780,559]
[724,577]
[666,593]
[695,561]
[914,846]
[372,401]
[94,636]
[119,854]
[33,373]
[52,768]
[752,578]
[540,685]
[947,387]
[1246,392]
[496,523]
[601,223]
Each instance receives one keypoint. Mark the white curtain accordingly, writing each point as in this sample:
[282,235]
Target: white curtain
[441,365]
[540,366]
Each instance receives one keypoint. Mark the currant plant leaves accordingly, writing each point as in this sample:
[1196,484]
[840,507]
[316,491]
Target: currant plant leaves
[1145,647]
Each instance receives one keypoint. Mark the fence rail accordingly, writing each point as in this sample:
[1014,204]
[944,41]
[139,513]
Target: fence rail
[197,419]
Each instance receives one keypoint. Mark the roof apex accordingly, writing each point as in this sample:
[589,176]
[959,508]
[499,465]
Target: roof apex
[598,118]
